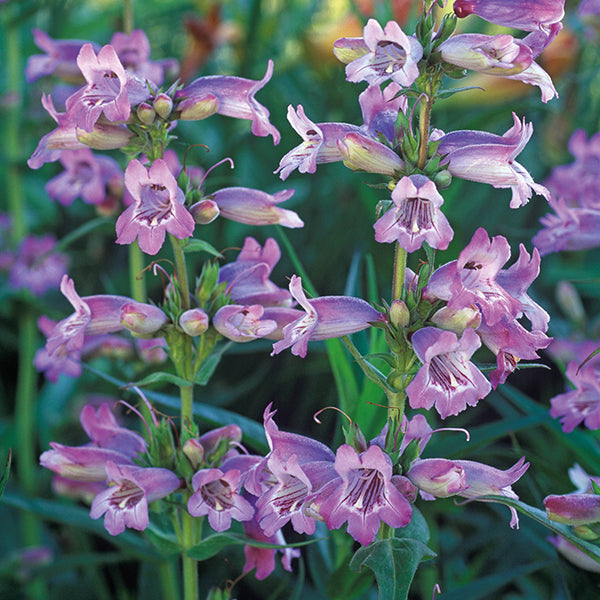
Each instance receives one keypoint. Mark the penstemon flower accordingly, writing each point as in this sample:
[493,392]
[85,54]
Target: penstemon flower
[158,207]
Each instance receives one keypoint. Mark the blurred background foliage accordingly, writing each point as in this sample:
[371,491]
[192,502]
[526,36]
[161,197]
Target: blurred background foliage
[479,556]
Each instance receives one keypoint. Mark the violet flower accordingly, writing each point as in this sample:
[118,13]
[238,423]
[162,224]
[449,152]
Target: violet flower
[391,54]
[527,15]
[158,207]
[36,265]
[60,58]
[234,97]
[582,404]
[447,378]
[243,323]
[216,494]
[110,91]
[489,158]
[437,477]
[380,110]
[573,509]
[86,175]
[320,143]
[326,317]
[255,207]
[415,216]
[365,494]
[574,555]
[248,277]
[125,502]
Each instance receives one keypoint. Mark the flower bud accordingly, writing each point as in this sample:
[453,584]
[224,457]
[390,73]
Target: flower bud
[105,136]
[573,509]
[365,154]
[570,302]
[146,113]
[194,452]
[457,320]
[438,476]
[194,322]
[196,109]
[399,314]
[205,211]
[142,319]
[442,179]
[163,105]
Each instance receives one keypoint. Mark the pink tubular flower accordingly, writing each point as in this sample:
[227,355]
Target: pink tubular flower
[489,158]
[234,97]
[415,217]
[255,207]
[365,494]
[361,153]
[125,502]
[60,58]
[583,403]
[447,378]
[216,494]
[527,15]
[248,277]
[243,323]
[573,509]
[93,315]
[320,143]
[326,317]
[380,110]
[483,480]
[391,54]
[36,265]
[158,207]
[574,555]
[110,90]
[437,477]
[86,175]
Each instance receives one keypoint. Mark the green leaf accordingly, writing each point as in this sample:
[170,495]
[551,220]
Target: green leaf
[207,368]
[538,515]
[160,377]
[82,231]
[4,478]
[201,246]
[76,516]
[417,529]
[394,562]
[451,92]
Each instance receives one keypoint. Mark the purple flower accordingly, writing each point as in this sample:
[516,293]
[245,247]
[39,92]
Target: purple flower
[243,323]
[483,480]
[234,97]
[415,217]
[110,90]
[489,158]
[527,15]
[472,279]
[380,110]
[36,265]
[158,207]
[391,54]
[583,403]
[125,502]
[365,494]
[194,321]
[255,207]
[248,277]
[320,143]
[574,555]
[60,58]
[447,378]
[133,51]
[500,55]
[361,153]
[263,559]
[104,431]
[216,494]
[141,318]
[437,477]
[93,315]
[326,317]
[86,175]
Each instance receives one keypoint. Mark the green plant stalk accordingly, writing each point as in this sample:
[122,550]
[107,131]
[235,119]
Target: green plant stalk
[424,120]
[127,16]
[137,282]
[399,272]
[168,580]
[181,271]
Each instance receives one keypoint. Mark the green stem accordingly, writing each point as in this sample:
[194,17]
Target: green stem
[128,16]
[137,280]
[168,580]
[399,272]
[424,120]
[181,270]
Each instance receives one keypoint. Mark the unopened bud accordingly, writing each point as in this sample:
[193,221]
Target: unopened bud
[399,314]
[573,509]
[457,320]
[196,109]
[142,319]
[205,211]
[442,179]
[570,302]
[163,105]
[194,452]
[194,321]
[146,113]
[438,476]
[105,136]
